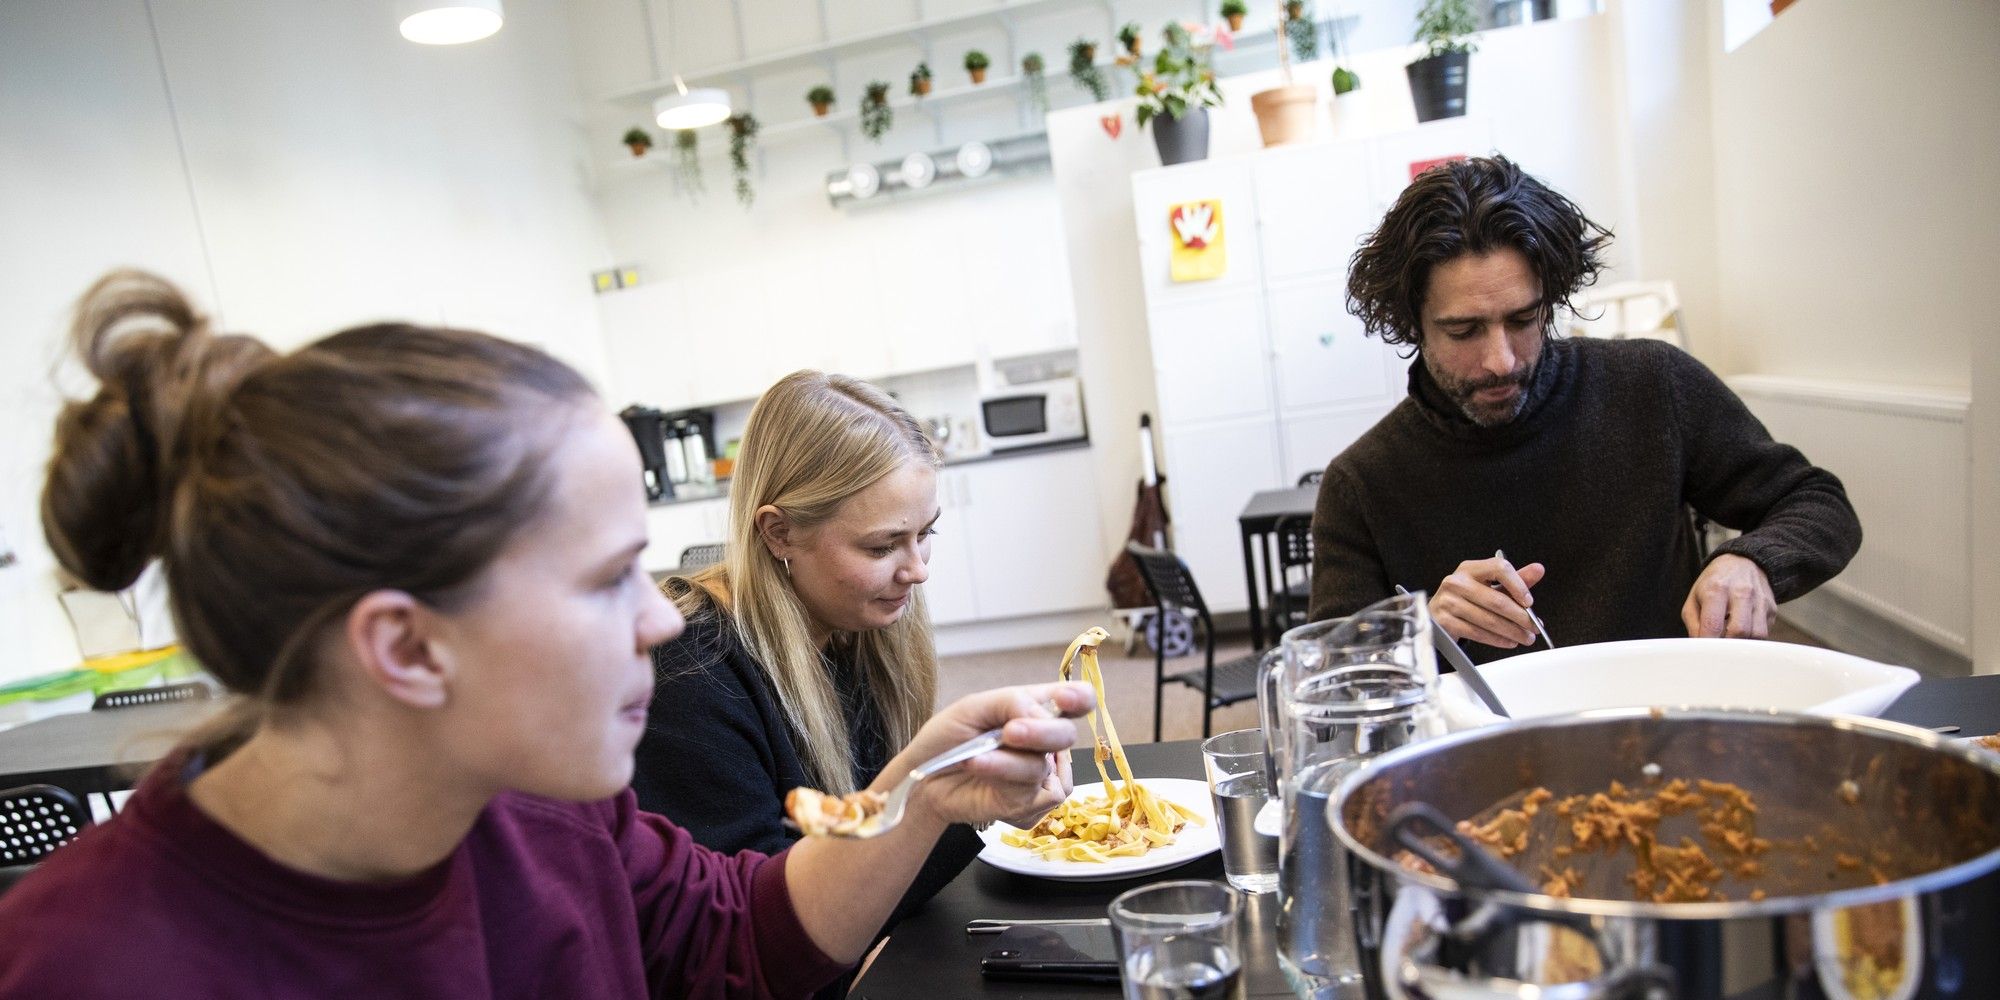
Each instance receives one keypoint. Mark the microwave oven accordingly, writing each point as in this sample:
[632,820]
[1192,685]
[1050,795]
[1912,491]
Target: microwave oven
[1033,413]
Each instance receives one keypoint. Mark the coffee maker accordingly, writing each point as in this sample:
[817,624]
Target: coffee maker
[649,429]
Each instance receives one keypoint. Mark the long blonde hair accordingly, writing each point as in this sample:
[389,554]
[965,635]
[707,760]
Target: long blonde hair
[813,442]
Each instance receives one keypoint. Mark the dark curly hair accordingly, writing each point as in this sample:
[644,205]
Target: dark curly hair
[1468,206]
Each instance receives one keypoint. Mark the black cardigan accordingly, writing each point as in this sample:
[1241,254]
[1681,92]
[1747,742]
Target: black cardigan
[718,754]
[1593,480]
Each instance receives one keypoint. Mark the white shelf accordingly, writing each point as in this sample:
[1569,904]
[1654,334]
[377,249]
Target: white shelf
[916,31]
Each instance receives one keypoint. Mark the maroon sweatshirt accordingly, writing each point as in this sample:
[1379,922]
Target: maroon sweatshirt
[543,899]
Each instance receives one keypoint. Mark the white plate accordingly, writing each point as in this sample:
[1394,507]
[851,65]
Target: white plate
[1194,841]
[1677,673]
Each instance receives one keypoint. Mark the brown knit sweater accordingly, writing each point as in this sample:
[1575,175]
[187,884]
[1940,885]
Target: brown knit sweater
[1593,480]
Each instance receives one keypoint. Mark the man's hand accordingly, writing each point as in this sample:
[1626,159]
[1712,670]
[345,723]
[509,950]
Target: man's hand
[1469,607]
[1731,598]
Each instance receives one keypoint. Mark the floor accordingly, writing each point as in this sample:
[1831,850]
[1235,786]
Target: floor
[1128,684]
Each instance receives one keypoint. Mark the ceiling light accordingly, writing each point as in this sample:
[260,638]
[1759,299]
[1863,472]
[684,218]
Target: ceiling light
[448,22]
[919,170]
[691,108]
[974,159]
[863,180]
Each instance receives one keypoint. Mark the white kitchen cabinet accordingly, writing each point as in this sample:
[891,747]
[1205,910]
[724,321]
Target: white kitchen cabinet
[1209,358]
[1309,218]
[1036,547]
[675,526]
[1319,353]
[1393,155]
[641,326]
[920,313]
[1212,469]
[949,592]
[1155,192]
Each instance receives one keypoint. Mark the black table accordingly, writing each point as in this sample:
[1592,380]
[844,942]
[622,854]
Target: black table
[1258,523]
[930,955]
[99,751]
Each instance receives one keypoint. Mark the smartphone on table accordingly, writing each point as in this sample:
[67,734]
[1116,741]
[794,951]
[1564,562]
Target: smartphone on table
[1055,953]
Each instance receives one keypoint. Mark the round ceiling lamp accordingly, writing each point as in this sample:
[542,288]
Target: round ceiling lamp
[919,170]
[448,22]
[863,180]
[974,159]
[691,108]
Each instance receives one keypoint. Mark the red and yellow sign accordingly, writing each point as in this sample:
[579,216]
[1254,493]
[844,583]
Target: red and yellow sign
[1198,253]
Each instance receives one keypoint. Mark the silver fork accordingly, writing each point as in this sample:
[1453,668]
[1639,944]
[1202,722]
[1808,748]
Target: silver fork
[899,797]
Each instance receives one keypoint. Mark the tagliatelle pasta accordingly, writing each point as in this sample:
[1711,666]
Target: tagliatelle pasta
[1128,820]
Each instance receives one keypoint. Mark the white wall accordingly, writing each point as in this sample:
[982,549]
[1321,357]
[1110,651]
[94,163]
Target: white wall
[1544,87]
[297,167]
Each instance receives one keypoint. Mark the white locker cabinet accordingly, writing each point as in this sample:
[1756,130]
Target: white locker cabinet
[1394,153]
[1211,470]
[1311,440]
[1036,547]
[1309,216]
[1209,358]
[948,593]
[1154,194]
[1320,354]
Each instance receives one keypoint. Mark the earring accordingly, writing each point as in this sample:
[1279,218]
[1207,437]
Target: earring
[788,566]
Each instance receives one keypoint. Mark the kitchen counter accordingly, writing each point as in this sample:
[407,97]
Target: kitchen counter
[690,494]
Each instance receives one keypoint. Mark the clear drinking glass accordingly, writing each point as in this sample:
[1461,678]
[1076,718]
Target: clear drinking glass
[1179,941]
[1337,693]
[1239,784]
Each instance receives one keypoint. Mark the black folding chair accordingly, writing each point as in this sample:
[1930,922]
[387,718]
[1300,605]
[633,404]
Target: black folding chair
[1291,592]
[699,556]
[1311,478]
[34,821]
[188,691]
[1221,684]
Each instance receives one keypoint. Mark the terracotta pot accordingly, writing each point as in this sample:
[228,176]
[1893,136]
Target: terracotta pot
[1133,47]
[922,85]
[978,75]
[1778,6]
[1285,114]
[820,109]
[638,148]
[1236,22]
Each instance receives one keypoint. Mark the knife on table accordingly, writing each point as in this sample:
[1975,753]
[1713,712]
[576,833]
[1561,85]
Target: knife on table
[1463,664]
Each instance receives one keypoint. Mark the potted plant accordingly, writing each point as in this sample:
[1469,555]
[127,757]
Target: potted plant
[1301,32]
[1129,35]
[742,133]
[821,98]
[687,161]
[876,115]
[1175,95]
[1035,72]
[1344,81]
[1285,112]
[920,80]
[975,64]
[1234,11]
[639,139]
[1083,69]
[1438,80]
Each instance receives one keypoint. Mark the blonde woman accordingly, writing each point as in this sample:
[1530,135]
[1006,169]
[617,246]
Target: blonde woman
[808,657]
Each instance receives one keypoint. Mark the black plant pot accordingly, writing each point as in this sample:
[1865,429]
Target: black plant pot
[1183,139]
[1437,85]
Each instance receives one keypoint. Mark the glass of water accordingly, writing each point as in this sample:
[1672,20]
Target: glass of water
[1239,783]
[1179,941]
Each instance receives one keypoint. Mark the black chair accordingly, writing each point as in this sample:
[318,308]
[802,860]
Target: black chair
[34,821]
[1311,478]
[1291,592]
[699,556]
[1221,684]
[188,691]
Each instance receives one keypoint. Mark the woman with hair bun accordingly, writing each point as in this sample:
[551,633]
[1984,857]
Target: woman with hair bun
[413,554]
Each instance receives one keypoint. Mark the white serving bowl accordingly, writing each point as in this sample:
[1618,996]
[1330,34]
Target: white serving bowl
[1678,673]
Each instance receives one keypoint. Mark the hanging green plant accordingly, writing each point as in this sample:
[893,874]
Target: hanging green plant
[742,135]
[1129,36]
[876,115]
[638,139]
[1301,31]
[687,161]
[1035,71]
[920,80]
[1083,69]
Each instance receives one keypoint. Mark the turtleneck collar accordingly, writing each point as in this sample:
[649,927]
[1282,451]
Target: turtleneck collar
[1546,395]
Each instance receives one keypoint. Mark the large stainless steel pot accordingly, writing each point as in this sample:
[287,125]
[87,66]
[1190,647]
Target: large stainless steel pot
[1934,803]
